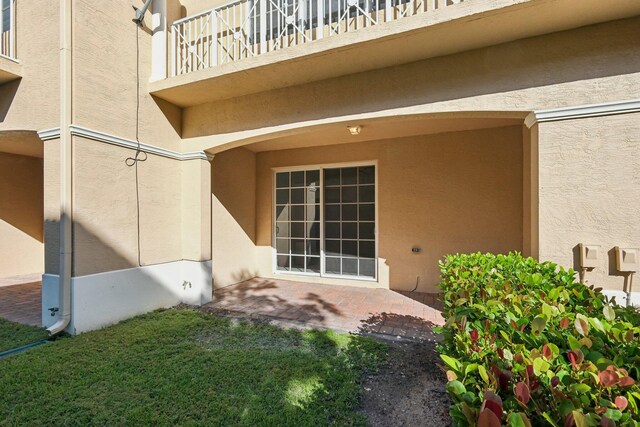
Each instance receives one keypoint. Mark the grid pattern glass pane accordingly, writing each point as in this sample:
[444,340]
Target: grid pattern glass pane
[6,16]
[349,221]
[297,221]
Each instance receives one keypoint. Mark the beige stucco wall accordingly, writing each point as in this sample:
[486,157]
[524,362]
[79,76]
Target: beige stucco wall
[32,103]
[104,74]
[453,192]
[105,230]
[174,200]
[589,190]
[588,65]
[21,215]
[233,184]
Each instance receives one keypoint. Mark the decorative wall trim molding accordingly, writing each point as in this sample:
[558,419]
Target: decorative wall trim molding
[582,111]
[48,134]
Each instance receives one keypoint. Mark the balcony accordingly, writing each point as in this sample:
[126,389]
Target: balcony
[247,28]
[7,29]
[250,46]
[9,68]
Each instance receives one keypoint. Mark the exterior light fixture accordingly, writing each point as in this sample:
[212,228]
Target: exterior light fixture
[354,130]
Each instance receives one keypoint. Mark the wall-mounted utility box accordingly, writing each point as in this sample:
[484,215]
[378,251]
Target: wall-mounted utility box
[589,256]
[627,259]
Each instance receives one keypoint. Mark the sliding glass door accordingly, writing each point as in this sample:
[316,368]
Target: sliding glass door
[297,221]
[349,221]
[325,221]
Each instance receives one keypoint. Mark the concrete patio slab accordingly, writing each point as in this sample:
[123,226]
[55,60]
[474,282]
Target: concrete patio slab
[21,303]
[343,308]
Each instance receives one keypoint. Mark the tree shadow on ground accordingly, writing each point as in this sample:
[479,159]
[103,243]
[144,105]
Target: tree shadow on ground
[252,297]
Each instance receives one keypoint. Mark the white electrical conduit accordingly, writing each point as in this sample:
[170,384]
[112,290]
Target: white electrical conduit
[629,280]
[66,212]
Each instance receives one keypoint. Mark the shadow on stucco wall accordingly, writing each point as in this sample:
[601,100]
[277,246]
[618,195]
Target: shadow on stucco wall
[7,93]
[233,184]
[172,113]
[91,252]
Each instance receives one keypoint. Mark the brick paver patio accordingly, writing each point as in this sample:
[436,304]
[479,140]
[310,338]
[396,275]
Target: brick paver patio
[343,308]
[21,303]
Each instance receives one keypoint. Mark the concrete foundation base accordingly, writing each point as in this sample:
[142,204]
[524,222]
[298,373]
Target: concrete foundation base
[102,299]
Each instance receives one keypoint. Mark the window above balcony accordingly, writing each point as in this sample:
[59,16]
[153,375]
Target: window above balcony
[251,46]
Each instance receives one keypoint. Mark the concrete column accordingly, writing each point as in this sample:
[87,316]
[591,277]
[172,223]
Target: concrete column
[197,271]
[196,210]
[159,41]
[530,190]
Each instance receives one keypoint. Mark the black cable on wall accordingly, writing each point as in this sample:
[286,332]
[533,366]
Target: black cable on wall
[139,156]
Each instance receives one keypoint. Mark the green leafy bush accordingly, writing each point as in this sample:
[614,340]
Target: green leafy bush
[525,344]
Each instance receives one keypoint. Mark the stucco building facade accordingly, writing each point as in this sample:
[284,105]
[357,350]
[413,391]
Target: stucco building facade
[336,142]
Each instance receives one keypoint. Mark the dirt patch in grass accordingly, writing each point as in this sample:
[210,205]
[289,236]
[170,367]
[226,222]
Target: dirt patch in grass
[409,390]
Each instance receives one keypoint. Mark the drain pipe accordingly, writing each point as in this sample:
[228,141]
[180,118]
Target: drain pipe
[629,282]
[66,218]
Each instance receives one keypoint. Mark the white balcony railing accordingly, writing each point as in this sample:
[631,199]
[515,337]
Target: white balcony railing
[246,28]
[7,28]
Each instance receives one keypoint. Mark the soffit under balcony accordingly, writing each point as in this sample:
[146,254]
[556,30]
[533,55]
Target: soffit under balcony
[9,70]
[22,143]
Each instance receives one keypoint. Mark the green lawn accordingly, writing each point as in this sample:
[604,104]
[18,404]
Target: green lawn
[14,335]
[182,367]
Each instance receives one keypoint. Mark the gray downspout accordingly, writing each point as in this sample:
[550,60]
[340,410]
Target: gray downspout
[66,217]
